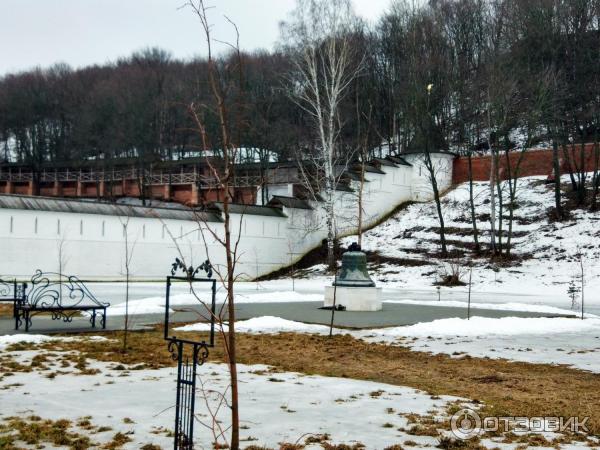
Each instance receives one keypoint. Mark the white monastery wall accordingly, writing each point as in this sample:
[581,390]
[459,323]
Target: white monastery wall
[421,184]
[93,245]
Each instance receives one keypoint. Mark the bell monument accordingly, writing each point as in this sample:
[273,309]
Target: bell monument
[353,289]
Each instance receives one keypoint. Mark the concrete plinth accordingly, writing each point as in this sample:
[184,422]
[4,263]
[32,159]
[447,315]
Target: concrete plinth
[354,298]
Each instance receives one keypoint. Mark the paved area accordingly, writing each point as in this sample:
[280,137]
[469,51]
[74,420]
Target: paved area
[392,314]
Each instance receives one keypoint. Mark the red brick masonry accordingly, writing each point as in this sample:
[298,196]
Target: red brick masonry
[535,162]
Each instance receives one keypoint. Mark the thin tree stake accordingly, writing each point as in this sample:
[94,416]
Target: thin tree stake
[334,300]
[469,301]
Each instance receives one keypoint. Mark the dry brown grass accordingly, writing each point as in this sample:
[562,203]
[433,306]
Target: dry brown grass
[6,309]
[505,388]
[35,431]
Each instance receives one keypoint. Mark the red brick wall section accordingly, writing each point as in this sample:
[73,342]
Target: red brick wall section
[182,193]
[534,162]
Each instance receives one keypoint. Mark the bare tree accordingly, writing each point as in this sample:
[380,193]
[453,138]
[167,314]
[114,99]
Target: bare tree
[319,40]
[470,285]
[63,258]
[531,121]
[214,400]
[432,174]
[426,92]
[464,30]
[362,140]
[501,99]
[290,245]
[500,87]
[129,248]
[223,173]
[581,268]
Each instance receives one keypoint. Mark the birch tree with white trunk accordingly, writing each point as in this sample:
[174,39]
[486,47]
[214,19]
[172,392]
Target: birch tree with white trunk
[319,38]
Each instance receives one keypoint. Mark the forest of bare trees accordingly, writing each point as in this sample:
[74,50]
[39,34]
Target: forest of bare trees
[463,75]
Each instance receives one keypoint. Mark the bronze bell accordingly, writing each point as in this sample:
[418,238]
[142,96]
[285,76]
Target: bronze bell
[354,269]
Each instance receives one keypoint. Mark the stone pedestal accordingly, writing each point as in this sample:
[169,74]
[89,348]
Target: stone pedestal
[354,298]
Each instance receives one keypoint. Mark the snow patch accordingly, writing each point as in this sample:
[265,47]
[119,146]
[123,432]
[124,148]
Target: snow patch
[275,407]
[156,305]
[509,306]
[10,339]
[7,340]
[485,326]
[264,324]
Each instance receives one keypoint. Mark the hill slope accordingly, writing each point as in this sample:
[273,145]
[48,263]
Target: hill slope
[404,250]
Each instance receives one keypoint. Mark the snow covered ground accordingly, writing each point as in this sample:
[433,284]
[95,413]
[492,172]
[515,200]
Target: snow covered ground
[571,342]
[548,249]
[275,407]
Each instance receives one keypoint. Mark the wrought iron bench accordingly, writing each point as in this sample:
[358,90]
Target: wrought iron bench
[12,291]
[62,296]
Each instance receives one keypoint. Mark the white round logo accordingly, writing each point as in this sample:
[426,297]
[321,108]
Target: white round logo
[465,424]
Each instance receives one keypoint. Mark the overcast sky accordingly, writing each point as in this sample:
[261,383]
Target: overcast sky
[82,32]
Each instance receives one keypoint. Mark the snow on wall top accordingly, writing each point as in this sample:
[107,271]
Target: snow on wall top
[23,202]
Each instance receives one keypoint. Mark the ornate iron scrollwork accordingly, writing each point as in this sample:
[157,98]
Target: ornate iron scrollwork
[201,354]
[5,288]
[64,291]
[12,291]
[191,271]
[63,296]
[174,349]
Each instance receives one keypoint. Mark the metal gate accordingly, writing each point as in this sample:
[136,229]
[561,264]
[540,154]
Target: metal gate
[189,354]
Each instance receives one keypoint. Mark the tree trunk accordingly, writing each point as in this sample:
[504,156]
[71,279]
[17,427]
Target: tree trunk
[513,180]
[596,176]
[472,205]
[582,191]
[556,166]
[438,203]
[142,184]
[232,357]
[360,198]
[582,285]
[500,207]
[569,166]
[511,211]
[329,211]
[492,202]
[231,346]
